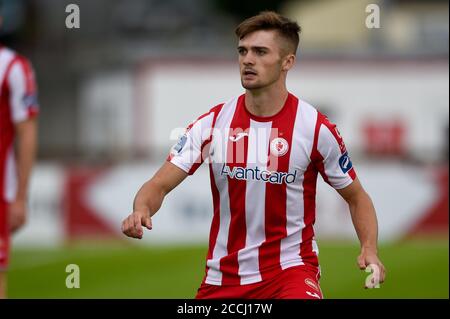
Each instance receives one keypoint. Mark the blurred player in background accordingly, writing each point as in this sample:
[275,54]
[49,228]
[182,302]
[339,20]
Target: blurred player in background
[18,129]
[262,242]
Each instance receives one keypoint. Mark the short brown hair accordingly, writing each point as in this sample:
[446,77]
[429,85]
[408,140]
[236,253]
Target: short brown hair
[269,20]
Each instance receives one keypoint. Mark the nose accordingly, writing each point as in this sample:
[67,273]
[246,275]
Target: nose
[248,59]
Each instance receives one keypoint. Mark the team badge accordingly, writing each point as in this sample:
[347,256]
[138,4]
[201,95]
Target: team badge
[279,146]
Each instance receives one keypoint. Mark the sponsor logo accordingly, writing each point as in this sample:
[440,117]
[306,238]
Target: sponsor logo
[372,280]
[30,100]
[256,173]
[279,146]
[180,144]
[345,163]
[311,283]
[238,136]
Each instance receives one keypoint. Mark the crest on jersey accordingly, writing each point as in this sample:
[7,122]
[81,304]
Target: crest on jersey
[279,146]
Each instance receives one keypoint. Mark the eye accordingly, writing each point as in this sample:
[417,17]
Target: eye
[260,52]
[242,51]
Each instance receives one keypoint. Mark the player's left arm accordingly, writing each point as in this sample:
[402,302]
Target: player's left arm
[364,219]
[338,171]
[26,134]
[24,111]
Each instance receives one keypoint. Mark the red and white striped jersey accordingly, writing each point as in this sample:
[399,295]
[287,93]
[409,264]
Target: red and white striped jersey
[18,102]
[263,174]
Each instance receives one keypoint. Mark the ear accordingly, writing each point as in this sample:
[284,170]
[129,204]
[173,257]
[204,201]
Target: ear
[288,62]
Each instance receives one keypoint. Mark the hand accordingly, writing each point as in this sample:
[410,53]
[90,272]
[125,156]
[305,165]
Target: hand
[132,225]
[369,257]
[17,214]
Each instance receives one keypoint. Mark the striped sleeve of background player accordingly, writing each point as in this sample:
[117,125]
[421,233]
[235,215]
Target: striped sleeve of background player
[23,90]
[192,147]
[337,167]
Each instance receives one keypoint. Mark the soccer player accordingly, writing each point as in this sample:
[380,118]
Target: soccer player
[265,149]
[18,110]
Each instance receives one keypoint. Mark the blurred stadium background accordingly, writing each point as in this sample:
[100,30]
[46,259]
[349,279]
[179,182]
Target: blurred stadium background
[114,92]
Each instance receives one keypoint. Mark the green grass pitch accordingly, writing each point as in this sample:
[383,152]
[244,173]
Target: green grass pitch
[416,269]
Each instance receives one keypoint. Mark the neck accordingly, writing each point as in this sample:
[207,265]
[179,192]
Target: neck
[266,101]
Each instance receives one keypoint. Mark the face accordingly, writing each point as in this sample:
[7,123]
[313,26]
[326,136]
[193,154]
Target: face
[261,60]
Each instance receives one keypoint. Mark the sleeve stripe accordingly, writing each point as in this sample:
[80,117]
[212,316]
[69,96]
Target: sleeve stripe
[19,78]
[29,76]
[207,142]
[8,69]
[316,157]
[333,130]
[340,142]
[185,161]
[352,173]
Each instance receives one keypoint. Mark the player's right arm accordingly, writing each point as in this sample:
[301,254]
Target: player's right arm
[184,159]
[149,198]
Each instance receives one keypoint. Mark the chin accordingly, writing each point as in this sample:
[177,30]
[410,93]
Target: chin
[251,86]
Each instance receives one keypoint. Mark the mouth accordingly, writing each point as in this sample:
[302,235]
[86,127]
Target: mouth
[248,72]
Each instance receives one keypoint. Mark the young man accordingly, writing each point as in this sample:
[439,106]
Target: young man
[18,110]
[265,149]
